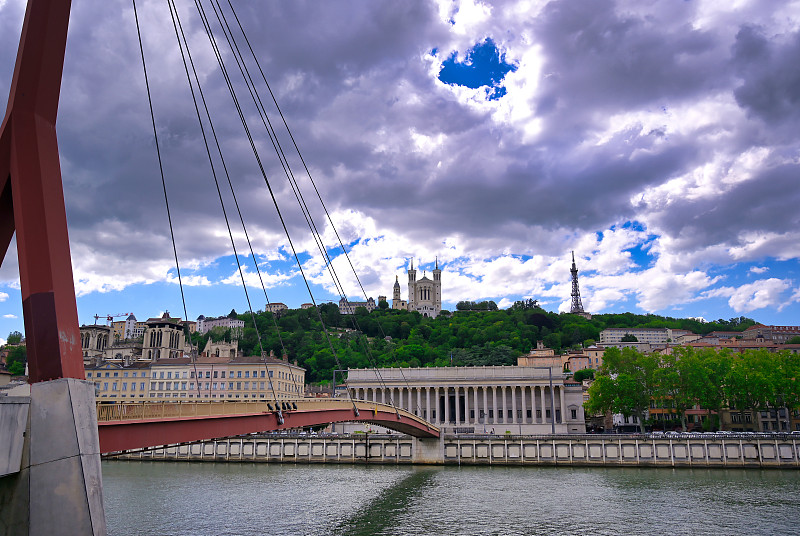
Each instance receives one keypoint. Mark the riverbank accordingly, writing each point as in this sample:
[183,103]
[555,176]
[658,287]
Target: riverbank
[780,451]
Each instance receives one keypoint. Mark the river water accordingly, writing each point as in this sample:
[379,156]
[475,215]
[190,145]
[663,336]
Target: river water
[177,498]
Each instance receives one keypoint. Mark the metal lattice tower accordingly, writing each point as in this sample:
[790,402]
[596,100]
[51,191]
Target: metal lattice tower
[577,306]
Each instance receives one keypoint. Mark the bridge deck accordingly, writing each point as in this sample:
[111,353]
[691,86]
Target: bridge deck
[134,425]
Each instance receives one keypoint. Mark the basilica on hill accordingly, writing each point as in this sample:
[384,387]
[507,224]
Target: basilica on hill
[424,296]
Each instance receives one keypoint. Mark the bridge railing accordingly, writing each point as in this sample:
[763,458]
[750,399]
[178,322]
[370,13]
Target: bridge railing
[177,409]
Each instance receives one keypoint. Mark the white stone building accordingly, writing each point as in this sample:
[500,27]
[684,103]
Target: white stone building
[424,295]
[499,399]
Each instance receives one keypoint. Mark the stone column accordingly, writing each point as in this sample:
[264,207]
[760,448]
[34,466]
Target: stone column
[466,405]
[504,403]
[428,404]
[563,404]
[544,406]
[494,404]
[419,401]
[447,405]
[522,403]
[475,404]
[485,406]
[514,418]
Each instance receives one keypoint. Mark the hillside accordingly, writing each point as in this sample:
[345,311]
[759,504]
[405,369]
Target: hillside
[463,338]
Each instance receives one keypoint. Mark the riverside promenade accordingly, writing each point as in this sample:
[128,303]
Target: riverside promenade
[775,451]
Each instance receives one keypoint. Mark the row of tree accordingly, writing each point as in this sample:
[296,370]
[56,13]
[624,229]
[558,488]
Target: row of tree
[630,381]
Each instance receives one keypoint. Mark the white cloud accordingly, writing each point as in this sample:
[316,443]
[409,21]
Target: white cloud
[752,296]
[3,296]
[758,269]
[10,316]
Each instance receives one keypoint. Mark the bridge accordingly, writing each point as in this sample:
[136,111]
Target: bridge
[137,425]
[50,442]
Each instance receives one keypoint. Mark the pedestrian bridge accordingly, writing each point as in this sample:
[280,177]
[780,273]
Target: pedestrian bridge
[137,425]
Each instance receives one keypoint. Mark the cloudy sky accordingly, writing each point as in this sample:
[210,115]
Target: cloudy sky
[658,140]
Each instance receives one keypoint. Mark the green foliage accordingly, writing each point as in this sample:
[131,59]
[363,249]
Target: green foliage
[755,379]
[629,338]
[14,337]
[793,340]
[585,374]
[15,362]
[462,338]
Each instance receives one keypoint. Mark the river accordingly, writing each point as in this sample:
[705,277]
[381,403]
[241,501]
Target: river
[177,498]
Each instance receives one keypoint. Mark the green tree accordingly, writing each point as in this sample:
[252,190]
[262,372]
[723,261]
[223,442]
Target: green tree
[15,362]
[625,384]
[793,340]
[585,374]
[629,338]
[14,337]
[383,305]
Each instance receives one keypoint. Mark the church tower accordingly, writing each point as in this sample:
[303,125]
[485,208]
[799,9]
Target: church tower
[397,301]
[437,288]
[412,286]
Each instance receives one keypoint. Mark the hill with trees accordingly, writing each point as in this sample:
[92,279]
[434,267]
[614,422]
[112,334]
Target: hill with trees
[478,335]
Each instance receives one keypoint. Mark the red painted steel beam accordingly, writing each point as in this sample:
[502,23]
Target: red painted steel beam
[117,436]
[32,198]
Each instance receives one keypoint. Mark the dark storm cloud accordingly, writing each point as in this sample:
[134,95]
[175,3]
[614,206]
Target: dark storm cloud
[386,139]
[770,88]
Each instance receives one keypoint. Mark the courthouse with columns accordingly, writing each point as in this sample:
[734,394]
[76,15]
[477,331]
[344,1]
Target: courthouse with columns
[499,399]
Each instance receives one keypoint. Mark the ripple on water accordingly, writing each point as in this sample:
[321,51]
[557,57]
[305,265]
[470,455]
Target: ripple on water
[163,498]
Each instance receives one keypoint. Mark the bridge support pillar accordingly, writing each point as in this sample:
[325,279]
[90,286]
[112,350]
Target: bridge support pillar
[57,487]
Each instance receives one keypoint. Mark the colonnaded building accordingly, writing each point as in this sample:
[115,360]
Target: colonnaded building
[499,399]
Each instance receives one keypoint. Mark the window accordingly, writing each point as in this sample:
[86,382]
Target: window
[114,386]
[125,375]
[208,374]
[222,374]
[574,414]
[263,373]
[105,386]
[270,374]
[230,385]
[125,386]
[216,373]
[169,375]
[246,373]
[238,373]
[116,374]
[88,374]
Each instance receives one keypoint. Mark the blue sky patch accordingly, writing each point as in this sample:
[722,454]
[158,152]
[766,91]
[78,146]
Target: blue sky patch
[482,67]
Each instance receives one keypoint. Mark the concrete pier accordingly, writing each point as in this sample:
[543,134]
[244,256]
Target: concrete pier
[51,482]
[567,450]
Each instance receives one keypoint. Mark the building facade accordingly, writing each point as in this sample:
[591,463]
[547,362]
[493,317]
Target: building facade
[424,295]
[778,334]
[643,335]
[499,399]
[347,307]
[214,378]
[225,322]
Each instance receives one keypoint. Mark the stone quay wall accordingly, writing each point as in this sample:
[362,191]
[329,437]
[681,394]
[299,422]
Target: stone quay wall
[567,450]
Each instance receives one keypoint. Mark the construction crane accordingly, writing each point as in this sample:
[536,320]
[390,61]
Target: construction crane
[110,318]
